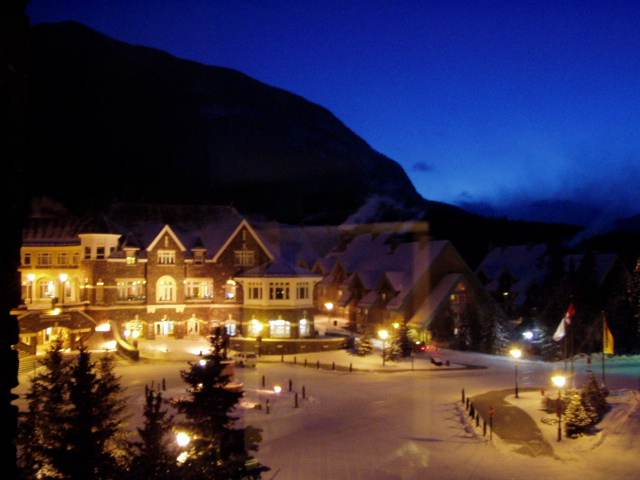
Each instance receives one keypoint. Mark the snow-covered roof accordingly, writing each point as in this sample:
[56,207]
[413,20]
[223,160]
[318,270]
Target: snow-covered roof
[278,268]
[369,299]
[435,301]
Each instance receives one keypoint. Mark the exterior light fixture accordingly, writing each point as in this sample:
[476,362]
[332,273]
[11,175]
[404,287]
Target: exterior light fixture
[183,439]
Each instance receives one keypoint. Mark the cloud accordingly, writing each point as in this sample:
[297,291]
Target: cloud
[422,167]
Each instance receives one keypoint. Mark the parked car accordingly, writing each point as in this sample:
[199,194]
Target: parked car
[244,359]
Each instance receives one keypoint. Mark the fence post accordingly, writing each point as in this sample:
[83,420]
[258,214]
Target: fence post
[264,381]
[282,357]
[295,405]
[305,362]
[467,403]
[333,365]
[484,427]
[471,411]
[295,360]
[290,385]
[304,392]
[267,407]
[350,367]
[463,395]
[318,364]
[477,419]
[164,385]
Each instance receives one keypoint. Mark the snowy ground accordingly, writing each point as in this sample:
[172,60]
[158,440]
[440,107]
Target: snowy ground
[407,425]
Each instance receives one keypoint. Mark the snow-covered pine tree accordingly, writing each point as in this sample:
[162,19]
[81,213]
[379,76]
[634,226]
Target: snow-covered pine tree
[392,349]
[41,435]
[218,449]
[578,418]
[403,339]
[595,397]
[153,456]
[364,346]
[93,421]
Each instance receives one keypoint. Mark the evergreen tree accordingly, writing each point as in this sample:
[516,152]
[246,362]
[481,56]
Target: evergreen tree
[364,346]
[41,439]
[218,449]
[93,420]
[595,397]
[392,349]
[153,459]
[578,418]
[403,340]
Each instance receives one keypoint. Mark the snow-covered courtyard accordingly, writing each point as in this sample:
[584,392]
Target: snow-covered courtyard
[408,424]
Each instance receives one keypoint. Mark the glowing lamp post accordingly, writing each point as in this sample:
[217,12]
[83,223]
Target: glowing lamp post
[277,389]
[329,308]
[559,381]
[516,353]
[31,278]
[383,335]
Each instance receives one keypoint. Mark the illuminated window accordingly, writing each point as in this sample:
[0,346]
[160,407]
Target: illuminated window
[131,290]
[201,288]
[166,289]
[75,259]
[255,328]
[46,288]
[164,328]
[244,258]
[304,328]
[278,291]
[100,253]
[166,257]
[231,326]
[44,259]
[131,260]
[63,259]
[279,328]
[254,291]
[230,290]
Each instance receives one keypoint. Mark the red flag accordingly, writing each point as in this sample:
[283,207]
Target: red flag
[561,331]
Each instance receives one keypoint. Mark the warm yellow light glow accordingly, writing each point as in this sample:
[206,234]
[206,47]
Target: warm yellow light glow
[55,312]
[135,334]
[277,389]
[182,457]
[383,334]
[256,326]
[515,353]
[31,277]
[559,380]
[202,362]
[110,345]
[127,333]
[106,327]
[328,306]
[63,277]
[395,325]
[183,439]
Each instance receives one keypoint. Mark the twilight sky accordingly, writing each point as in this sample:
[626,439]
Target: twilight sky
[500,103]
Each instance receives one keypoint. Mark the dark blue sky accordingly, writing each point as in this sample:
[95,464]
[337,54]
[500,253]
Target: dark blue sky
[499,102]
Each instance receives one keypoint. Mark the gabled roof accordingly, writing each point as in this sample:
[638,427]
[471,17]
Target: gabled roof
[166,230]
[435,301]
[369,299]
[243,224]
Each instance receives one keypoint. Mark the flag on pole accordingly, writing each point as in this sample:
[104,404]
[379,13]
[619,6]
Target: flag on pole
[561,331]
[607,338]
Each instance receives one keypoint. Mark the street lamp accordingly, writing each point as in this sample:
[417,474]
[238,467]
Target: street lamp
[383,335]
[329,307]
[516,353]
[31,278]
[559,381]
[183,439]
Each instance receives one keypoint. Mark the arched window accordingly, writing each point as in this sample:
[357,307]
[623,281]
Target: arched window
[279,328]
[166,289]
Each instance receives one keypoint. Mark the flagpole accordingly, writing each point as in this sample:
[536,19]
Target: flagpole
[604,333]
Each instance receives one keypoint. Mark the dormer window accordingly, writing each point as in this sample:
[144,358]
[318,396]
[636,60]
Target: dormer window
[198,257]
[131,259]
[100,253]
[166,257]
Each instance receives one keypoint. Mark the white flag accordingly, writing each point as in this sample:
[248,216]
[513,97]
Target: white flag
[561,331]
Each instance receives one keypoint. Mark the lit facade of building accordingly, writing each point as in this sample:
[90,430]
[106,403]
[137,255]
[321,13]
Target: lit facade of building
[152,280]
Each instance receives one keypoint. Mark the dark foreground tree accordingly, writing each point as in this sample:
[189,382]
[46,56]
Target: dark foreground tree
[405,344]
[153,457]
[41,434]
[218,449]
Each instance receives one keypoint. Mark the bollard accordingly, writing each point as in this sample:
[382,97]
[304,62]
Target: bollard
[164,385]
[333,365]
[467,403]
[267,407]
[304,392]
[282,357]
[491,428]
[477,419]
[472,411]
[318,364]
[290,385]
[305,362]
[484,428]
[264,381]
[295,404]
[350,367]
[295,360]
[463,395]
